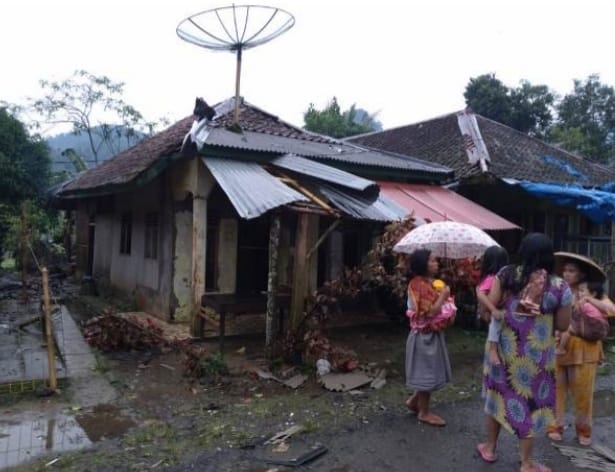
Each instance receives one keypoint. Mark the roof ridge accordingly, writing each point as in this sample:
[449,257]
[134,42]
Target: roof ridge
[534,138]
[409,125]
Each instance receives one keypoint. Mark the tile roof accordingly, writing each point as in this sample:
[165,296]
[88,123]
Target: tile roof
[513,154]
[262,132]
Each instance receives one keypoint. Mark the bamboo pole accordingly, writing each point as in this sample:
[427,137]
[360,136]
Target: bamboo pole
[51,357]
[24,253]
[237,86]
[272,281]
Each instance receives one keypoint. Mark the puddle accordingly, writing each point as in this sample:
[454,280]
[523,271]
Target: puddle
[25,435]
[104,422]
[604,403]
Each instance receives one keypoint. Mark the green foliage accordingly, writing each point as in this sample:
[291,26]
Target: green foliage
[214,366]
[24,161]
[331,121]
[24,175]
[527,108]
[94,106]
[583,121]
[586,121]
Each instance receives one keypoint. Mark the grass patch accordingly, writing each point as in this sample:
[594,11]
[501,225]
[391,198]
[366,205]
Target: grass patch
[8,264]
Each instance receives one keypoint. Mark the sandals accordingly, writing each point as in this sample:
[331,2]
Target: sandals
[432,420]
[555,436]
[485,455]
[585,440]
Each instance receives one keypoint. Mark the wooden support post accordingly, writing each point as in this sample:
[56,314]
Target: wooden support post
[300,276]
[272,280]
[51,355]
[24,254]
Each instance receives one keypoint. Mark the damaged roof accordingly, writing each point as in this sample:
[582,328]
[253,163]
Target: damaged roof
[253,191]
[512,154]
[261,132]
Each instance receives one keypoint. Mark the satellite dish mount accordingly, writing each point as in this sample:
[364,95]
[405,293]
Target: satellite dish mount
[235,28]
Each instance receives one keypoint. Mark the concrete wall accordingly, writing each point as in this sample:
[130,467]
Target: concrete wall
[190,184]
[148,280]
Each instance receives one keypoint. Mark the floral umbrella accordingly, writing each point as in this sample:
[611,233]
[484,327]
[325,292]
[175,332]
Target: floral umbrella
[447,239]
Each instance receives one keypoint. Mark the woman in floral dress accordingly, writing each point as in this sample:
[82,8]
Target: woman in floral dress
[520,393]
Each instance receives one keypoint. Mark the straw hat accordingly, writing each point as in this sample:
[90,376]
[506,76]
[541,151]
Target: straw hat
[592,270]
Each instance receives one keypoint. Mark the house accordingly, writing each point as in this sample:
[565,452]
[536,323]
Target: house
[199,209]
[525,180]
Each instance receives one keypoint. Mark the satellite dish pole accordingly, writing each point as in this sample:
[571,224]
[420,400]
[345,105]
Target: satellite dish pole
[235,28]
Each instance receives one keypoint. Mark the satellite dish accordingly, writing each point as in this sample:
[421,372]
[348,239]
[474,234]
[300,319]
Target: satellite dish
[235,28]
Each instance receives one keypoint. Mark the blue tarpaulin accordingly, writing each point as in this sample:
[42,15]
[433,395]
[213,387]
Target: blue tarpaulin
[597,205]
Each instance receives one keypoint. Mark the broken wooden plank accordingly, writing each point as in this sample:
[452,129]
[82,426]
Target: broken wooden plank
[284,435]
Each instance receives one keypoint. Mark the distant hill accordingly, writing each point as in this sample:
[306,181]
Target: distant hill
[79,143]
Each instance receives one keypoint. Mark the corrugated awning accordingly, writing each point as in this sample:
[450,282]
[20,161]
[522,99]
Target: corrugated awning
[250,188]
[361,206]
[440,204]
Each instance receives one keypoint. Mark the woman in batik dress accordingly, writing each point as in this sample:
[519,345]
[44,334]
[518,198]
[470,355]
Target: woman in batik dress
[520,393]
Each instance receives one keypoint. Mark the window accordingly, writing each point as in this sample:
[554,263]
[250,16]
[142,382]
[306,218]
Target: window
[126,233]
[151,235]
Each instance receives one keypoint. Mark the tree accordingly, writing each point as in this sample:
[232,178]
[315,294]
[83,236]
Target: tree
[586,120]
[331,121]
[92,105]
[24,161]
[24,171]
[527,108]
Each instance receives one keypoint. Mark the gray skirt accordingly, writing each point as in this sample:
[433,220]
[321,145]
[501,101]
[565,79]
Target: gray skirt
[427,365]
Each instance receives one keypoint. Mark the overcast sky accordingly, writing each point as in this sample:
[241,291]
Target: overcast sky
[407,60]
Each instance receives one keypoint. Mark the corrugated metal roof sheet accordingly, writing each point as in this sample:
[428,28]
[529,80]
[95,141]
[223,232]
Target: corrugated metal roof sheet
[360,206]
[249,187]
[340,152]
[440,204]
[324,172]
[361,155]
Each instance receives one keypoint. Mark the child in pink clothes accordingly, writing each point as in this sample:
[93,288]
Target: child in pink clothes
[586,292]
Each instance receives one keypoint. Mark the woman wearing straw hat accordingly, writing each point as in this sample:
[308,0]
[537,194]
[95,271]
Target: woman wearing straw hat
[576,368]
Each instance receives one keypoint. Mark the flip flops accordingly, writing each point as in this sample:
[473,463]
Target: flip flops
[555,436]
[432,420]
[486,455]
[585,440]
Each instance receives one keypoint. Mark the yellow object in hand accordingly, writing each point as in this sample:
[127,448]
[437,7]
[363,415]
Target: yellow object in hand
[438,285]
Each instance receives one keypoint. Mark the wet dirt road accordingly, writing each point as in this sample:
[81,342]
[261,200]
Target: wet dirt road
[396,441]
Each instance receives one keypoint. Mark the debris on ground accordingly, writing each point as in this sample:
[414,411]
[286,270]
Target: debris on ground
[294,382]
[594,458]
[296,455]
[380,380]
[343,382]
[323,366]
[319,347]
[284,435]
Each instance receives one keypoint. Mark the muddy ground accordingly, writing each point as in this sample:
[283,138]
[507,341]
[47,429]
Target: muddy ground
[161,420]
